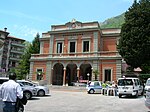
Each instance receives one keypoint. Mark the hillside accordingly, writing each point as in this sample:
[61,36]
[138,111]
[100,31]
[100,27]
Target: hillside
[114,22]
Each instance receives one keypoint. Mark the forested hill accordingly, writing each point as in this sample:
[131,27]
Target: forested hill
[114,22]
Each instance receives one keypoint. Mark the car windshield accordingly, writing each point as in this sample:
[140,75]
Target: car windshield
[123,82]
[148,83]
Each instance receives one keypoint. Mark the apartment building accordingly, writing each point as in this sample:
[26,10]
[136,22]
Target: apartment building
[11,52]
[71,52]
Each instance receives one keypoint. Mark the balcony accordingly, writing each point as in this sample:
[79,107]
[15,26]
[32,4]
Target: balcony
[102,54]
[16,51]
[1,42]
[14,58]
[18,44]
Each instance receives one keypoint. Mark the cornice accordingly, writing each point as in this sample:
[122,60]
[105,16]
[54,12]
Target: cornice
[74,30]
[76,58]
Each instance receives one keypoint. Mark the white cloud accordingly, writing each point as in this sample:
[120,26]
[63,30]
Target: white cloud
[30,17]
[21,15]
[24,32]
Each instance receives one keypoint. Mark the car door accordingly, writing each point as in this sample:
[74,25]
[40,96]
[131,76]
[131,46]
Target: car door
[141,88]
[97,87]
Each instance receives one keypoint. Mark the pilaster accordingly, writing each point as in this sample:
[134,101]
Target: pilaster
[118,69]
[95,41]
[31,70]
[51,45]
[49,72]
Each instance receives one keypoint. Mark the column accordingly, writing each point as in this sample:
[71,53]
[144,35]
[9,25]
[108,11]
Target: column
[64,77]
[78,73]
[93,75]
[51,77]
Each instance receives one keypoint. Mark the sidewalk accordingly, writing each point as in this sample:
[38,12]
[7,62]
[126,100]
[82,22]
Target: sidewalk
[67,88]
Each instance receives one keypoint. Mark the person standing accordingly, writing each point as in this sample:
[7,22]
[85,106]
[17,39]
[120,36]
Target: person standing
[115,87]
[9,91]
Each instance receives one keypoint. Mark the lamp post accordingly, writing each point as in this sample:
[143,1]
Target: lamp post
[88,76]
[40,76]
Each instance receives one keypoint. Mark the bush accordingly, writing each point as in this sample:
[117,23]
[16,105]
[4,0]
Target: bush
[144,77]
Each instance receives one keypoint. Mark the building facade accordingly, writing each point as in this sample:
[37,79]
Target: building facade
[72,52]
[11,52]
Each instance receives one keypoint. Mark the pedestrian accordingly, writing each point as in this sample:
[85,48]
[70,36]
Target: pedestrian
[9,91]
[115,87]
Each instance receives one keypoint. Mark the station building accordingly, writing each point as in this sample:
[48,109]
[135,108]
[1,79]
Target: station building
[72,52]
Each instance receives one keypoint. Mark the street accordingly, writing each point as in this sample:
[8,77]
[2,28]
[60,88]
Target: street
[68,101]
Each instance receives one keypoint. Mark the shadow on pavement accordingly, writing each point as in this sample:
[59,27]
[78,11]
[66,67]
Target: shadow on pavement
[34,98]
[46,96]
[130,97]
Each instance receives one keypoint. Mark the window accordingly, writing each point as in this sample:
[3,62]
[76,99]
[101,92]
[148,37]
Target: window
[96,84]
[123,82]
[59,47]
[13,64]
[107,74]
[72,47]
[85,46]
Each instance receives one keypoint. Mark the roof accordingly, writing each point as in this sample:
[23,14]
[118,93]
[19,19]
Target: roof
[15,38]
[4,31]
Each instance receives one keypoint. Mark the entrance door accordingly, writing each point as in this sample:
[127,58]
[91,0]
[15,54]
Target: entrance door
[107,76]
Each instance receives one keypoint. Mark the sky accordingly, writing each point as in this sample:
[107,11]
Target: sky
[25,18]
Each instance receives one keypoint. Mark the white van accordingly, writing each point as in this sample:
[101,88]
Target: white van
[129,86]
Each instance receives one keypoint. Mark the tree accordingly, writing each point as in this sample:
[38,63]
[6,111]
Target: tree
[24,65]
[36,44]
[134,44]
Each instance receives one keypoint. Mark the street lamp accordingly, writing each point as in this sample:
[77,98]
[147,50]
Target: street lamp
[40,75]
[88,76]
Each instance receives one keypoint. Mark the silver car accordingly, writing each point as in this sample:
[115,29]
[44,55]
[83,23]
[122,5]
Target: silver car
[28,91]
[147,98]
[41,90]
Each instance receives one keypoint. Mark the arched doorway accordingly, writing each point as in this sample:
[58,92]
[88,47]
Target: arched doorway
[58,74]
[85,70]
[71,74]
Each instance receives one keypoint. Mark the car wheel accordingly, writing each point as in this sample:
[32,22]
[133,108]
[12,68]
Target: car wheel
[91,91]
[136,94]
[120,95]
[28,95]
[41,93]
[142,93]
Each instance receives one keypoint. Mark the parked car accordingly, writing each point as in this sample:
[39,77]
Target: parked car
[130,86]
[147,100]
[41,90]
[28,91]
[94,87]
[147,86]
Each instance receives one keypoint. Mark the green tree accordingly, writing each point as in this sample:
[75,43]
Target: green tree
[36,44]
[134,44]
[24,65]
